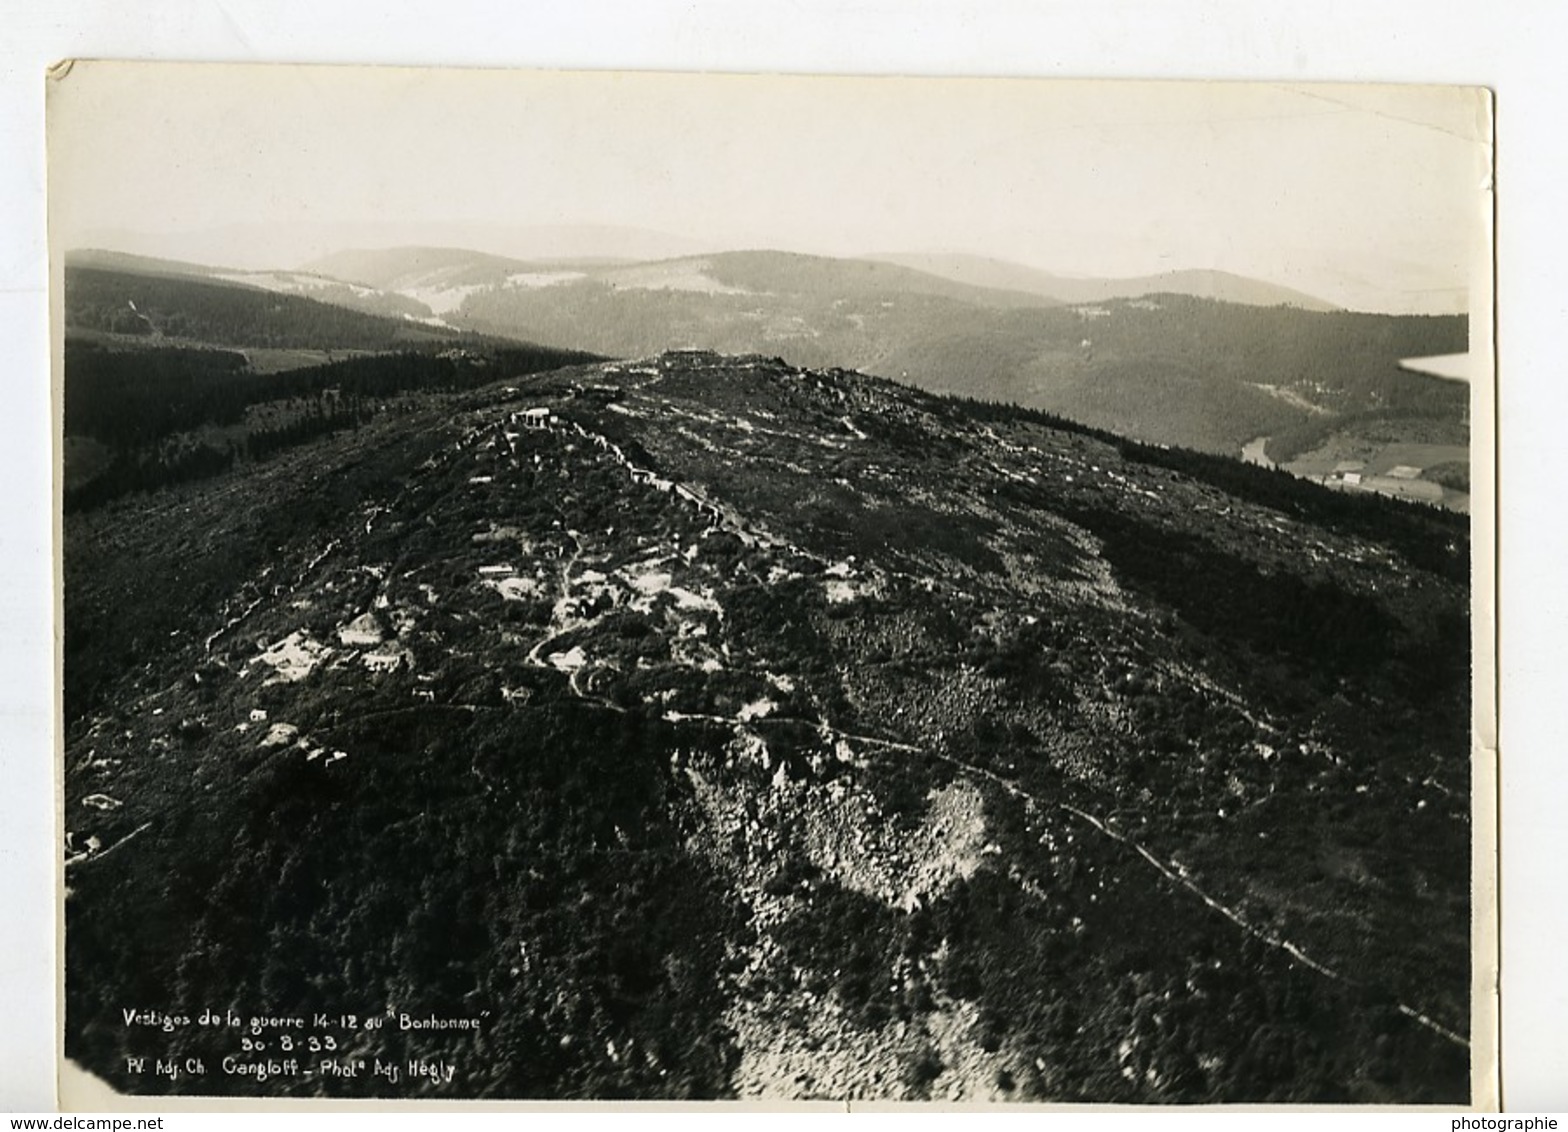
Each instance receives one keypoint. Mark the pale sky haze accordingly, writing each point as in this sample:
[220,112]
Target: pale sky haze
[1369,197]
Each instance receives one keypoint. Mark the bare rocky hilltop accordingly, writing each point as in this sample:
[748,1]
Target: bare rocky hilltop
[706,727]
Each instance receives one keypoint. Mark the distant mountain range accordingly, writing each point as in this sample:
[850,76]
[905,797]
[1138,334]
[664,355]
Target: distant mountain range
[445,273]
[429,269]
[1199,359]
[1225,286]
[308,284]
[258,247]
[989,281]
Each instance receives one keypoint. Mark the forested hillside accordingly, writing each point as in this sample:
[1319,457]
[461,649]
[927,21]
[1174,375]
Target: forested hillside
[1167,369]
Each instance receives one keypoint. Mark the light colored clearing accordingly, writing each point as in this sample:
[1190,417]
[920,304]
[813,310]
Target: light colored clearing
[501,534]
[1291,397]
[294,657]
[569,661]
[499,568]
[650,583]
[361,632]
[279,735]
[101,802]
[288,282]
[803,1046]
[845,583]
[443,300]
[798,1044]
[1253,452]
[839,592]
[532,279]
[516,588]
[682,275]
[759,709]
[388,660]
[849,839]
[831,1059]
[686,599]
[1454,367]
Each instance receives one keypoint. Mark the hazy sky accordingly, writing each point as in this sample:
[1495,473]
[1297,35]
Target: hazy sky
[1367,196]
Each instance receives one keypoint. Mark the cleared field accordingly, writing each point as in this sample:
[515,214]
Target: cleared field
[1375,459]
[1437,474]
[1421,456]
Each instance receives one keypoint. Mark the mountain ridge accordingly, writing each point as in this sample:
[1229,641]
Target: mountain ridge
[706,726]
[1206,283]
[1317,391]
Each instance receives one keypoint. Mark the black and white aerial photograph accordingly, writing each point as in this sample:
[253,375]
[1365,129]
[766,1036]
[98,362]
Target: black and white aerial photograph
[611,586]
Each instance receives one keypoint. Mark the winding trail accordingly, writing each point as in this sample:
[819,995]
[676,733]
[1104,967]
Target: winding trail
[1262,935]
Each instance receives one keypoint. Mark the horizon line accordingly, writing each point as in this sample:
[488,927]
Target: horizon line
[885,257]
